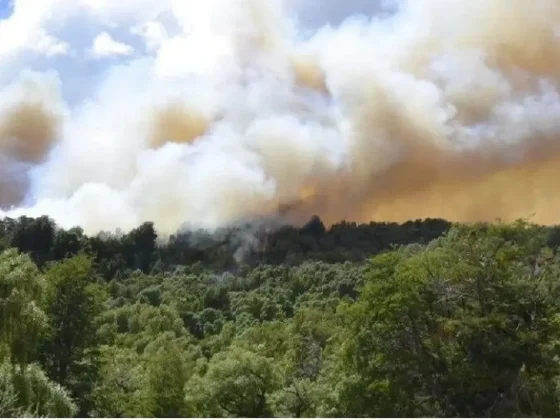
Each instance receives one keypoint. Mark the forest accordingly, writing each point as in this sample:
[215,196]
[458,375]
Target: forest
[425,318]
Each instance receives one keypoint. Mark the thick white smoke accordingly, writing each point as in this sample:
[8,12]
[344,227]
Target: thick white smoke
[449,108]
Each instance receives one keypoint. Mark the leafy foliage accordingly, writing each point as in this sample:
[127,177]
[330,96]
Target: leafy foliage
[377,320]
[23,320]
[27,392]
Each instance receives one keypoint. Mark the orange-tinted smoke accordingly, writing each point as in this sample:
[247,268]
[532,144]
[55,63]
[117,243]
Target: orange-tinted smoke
[457,187]
[27,131]
[176,124]
[431,178]
[308,74]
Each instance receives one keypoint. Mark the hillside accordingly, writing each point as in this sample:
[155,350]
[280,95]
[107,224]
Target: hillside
[423,318]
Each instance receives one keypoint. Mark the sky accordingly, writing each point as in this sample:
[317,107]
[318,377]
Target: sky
[82,39]
[5,8]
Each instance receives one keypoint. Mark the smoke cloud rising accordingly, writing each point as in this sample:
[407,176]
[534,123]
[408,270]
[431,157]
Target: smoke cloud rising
[446,108]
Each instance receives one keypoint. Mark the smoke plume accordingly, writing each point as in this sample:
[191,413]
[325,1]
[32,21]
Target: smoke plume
[445,108]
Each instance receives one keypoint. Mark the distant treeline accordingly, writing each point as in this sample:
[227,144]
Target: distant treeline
[225,249]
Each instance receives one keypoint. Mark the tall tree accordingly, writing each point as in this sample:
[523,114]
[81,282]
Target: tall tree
[22,319]
[70,352]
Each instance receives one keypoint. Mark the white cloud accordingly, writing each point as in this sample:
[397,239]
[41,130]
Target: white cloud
[191,54]
[153,32]
[127,12]
[49,45]
[58,34]
[316,14]
[23,31]
[105,46]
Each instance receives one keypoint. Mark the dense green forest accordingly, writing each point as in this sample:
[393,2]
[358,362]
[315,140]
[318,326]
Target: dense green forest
[423,318]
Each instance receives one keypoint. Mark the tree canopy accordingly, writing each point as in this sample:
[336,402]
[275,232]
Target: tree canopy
[424,318]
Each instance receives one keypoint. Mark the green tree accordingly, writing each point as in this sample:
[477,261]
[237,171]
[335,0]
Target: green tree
[70,352]
[467,327]
[22,319]
[168,370]
[120,390]
[27,392]
[237,383]
[34,236]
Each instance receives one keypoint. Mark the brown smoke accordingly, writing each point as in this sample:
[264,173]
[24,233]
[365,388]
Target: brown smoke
[27,131]
[176,124]
[462,187]
[308,74]
[430,178]
[527,190]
